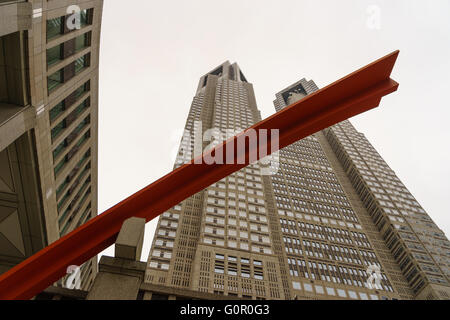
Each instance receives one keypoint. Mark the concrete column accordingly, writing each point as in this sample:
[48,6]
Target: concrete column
[130,239]
[15,17]
[120,278]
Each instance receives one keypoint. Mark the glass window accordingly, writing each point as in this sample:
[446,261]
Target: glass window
[341,293]
[61,107]
[54,55]
[81,63]
[257,263]
[82,107]
[296,285]
[81,42]
[232,271]
[58,129]
[84,17]
[59,148]
[308,287]
[363,296]
[259,275]
[63,145]
[54,80]
[59,166]
[54,27]
[330,291]
[81,90]
[62,187]
[56,111]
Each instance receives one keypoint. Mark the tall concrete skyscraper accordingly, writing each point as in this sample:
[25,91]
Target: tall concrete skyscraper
[48,124]
[332,221]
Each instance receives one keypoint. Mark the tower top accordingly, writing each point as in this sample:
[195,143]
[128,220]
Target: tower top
[225,70]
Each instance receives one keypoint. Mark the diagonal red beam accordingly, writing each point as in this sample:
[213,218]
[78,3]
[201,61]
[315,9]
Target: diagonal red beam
[357,92]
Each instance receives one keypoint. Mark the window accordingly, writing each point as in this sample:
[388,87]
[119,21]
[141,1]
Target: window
[59,167]
[232,272]
[72,152]
[296,285]
[308,287]
[245,260]
[66,142]
[70,119]
[258,275]
[341,293]
[68,72]
[82,41]
[363,296]
[55,27]
[81,63]
[72,174]
[81,90]
[54,55]
[56,110]
[55,80]
[67,49]
[85,17]
[57,129]
[66,103]
[319,289]
[330,291]
[257,263]
[245,274]
[59,149]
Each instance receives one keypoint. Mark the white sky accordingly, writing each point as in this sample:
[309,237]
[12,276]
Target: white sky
[154,52]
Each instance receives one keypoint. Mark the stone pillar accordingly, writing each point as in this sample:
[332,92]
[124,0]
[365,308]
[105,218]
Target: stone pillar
[120,278]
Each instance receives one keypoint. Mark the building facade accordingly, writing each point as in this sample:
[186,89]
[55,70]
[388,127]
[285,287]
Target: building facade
[332,221]
[49,54]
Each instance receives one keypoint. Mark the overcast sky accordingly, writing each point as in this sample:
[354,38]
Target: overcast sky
[154,52]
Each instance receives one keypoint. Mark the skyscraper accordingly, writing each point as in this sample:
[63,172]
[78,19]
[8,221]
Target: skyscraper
[48,124]
[368,203]
[332,221]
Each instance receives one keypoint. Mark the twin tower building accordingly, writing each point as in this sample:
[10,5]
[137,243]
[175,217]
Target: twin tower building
[332,221]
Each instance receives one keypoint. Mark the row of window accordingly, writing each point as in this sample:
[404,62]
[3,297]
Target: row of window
[334,292]
[68,72]
[74,190]
[64,50]
[69,155]
[58,26]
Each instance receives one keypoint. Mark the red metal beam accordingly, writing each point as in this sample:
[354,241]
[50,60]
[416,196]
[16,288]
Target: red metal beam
[347,97]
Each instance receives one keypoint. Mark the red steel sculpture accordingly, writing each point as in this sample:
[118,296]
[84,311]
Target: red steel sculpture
[358,92]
